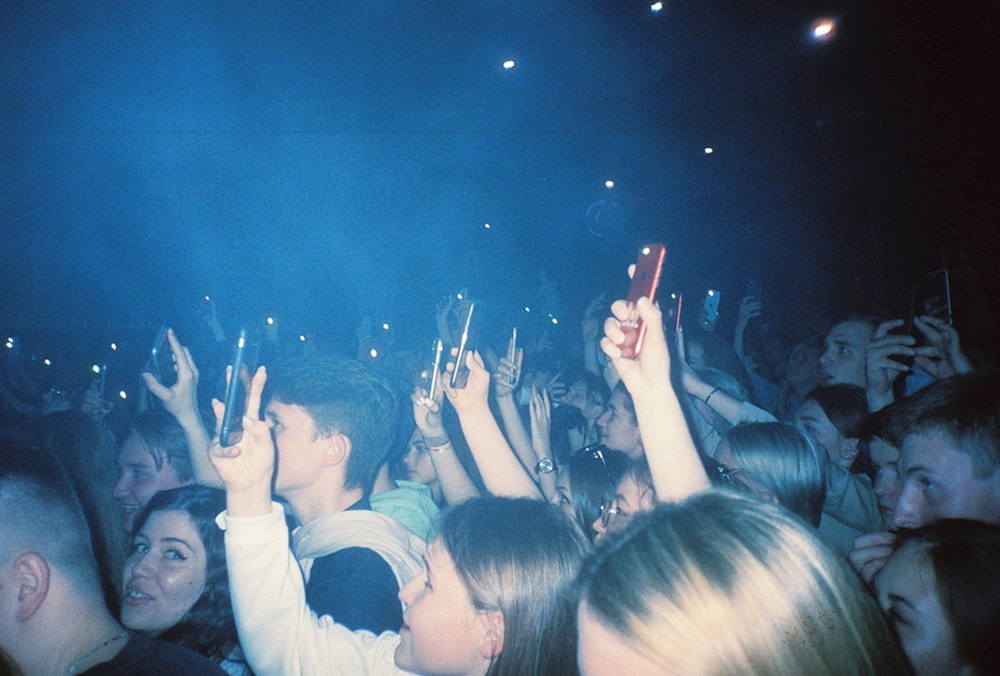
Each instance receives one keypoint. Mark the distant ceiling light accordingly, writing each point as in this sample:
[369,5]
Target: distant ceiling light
[95,368]
[47,362]
[114,346]
[270,320]
[508,64]
[823,29]
[486,225]
[527,309]
[554,320]
[302,338]
[121,393]
[385,326]
[373,352]
[656,7]
[709,151]
[609,184]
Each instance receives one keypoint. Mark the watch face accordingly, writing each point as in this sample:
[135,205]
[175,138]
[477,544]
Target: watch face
[545,465]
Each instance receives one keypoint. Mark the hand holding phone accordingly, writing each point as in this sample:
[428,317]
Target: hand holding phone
[435,374]
[161,360]
[231,430]
[645,281]
[460,375]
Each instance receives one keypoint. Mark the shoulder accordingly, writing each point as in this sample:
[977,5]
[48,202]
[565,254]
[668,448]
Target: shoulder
[142,655]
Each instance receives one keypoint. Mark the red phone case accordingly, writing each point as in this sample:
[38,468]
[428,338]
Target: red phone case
[645,280]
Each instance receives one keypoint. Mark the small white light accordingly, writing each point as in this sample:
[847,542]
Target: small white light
[508,64]
[822,29]
[385,326]
[121,393]
[47,362]
[709,151]
[656,7]
[554,320]
[458,296]
[270,320]
[609,184]
[10,344]
[302,338]
[645,251]
[114,346]
[527,309]
[373,352]
[711,292]
[95,368]
[486,225]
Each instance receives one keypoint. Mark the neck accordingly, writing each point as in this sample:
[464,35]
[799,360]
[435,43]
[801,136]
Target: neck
[45,654]
[382,481]
[310,506]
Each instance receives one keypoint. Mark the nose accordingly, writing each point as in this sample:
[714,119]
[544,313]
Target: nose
[598,526]
[602,419]
[826,358]
[121,488]
[907,512]
[142,565]
[408,592]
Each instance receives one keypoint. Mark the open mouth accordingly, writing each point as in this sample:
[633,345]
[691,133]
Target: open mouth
[135,596]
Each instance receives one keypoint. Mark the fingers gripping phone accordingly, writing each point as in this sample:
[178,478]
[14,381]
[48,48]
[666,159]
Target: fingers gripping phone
[231,430]
[645,281]
[161,360]
[460,376]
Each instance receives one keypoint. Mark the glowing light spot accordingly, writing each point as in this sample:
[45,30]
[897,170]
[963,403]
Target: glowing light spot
[385,326]
[95,368]
[458,296]
[823,29]
[554,320]
[645,251]
[709,151]
[486,225]
[508,64]
[656,7]
[47,362]
[270,320]
[10,344]
[373,352]
[114,346]
[527,309]
[711,292]
[302,338]
[121,393]
[609,184]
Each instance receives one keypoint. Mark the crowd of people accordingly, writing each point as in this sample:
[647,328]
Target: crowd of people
[708,506]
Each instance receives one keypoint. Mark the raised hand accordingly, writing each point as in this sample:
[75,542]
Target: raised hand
[248,465]
[945,356]
[882,361]
[477,388]
[871,551]
[507,375]
[180,399]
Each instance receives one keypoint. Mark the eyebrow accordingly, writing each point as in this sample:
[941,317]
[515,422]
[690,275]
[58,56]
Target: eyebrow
[178,541]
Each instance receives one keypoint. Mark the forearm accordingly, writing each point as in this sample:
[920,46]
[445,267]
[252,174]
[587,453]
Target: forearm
[517,435]
[456,484]
[199,442]
[502,472]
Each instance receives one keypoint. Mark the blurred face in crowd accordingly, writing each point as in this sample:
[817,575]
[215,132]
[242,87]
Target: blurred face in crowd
[139,479]
[618,428]
[631,497]
[907,592]
[939,481]
[843,358]
[803,368]
[417,461]
[164,574]
[563,497]
[443,631]
[812,419]
[299,447]
[885,456]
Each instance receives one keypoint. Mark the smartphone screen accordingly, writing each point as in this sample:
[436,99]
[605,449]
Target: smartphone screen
[460,375]
[231,430]
[710,308]
[435,374]
[645,280]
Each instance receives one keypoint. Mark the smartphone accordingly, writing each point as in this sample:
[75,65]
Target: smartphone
[231,430]
[460,376]
[679,298]
[752,290]
[710,308]
[435,374]
[934,296]
[645,280]
[161,360]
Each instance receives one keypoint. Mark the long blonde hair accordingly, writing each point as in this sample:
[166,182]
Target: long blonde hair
[722,583]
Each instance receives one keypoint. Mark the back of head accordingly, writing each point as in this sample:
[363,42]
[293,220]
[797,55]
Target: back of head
[166,441]
[520,556]
[722,583]
[844,404]
[208,627]
[342,395]
[786,462]
[42,514]
[964,407]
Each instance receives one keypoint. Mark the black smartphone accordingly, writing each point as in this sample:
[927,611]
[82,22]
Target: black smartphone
[679,298]
[231,430]
[752,290]
[460,375]
[645,281]
[934,296]
[435,374]
[161,360]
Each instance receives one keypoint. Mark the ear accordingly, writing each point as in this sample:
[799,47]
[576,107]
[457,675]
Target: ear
[491,634]
[337,450]
[31,579]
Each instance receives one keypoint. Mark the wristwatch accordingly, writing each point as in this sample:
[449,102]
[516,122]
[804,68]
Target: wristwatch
[544,466]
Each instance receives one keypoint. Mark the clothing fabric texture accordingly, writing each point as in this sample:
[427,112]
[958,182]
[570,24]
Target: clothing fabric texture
[411,504]
[143,655]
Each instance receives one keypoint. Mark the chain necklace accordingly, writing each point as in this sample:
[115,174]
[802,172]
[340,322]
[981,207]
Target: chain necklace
[114,639]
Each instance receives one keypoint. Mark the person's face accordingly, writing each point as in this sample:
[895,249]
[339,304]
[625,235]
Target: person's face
[907,593]
[812,420]
[802,367]
[139,479]
[617,428]
[631,498]
[442,632]
[299,447]
[164,574]
[843,358]
[601,651]
[417,461]
[563,497]
[884,456]
[939,482]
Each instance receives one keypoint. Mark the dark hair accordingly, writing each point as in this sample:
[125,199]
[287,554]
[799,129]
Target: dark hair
[888,423]
[627,402]
[965,557]
[166,441]
[519,556]
[208,626]
[592,480]
[966,408]
[343,395]
[845,405]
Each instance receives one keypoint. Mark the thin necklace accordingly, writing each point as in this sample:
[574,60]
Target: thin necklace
[113,639]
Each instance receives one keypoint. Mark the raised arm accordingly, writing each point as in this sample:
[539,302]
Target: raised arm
[673,458]
[456,485]
[181,401]
[504,381]
[502,472]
